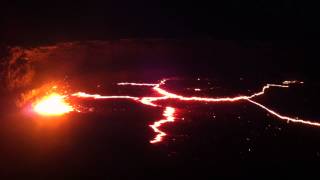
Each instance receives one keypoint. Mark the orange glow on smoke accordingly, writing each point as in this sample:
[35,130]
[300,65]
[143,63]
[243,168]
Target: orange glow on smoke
[52,105]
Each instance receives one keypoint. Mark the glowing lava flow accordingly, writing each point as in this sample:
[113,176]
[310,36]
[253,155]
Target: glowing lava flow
[169,115]
[97,96]
[168,95]
[296,120]
[60,107]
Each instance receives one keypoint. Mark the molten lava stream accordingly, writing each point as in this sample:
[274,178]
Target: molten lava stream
[168,114]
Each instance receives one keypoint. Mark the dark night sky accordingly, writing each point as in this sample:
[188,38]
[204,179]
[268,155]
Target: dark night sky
[281,20]
[284,26]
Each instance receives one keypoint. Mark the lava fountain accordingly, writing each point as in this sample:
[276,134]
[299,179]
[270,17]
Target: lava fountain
[52,105]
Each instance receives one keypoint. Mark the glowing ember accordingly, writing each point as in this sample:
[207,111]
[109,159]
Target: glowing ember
[52,105]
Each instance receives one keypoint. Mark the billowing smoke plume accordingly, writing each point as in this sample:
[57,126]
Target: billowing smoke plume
[18,69]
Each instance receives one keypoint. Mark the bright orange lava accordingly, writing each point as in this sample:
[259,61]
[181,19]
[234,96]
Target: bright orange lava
[52,105]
